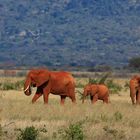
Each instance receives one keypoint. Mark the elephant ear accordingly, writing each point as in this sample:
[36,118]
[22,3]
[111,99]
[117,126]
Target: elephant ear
[138,79]
[39,77]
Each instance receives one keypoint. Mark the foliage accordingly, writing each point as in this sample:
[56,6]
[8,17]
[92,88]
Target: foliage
[12,86]
[126,86]
[101,80]
[93,81]
[73,132]
[2,132]
[104,117]
[118,116]
[114,133]
[29,133]
[79,85]
[134,63]
[113,87]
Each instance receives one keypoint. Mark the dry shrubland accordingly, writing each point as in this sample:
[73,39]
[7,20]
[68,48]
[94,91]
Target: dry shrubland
[117,120]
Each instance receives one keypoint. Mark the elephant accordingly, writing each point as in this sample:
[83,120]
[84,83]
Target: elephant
[58,83]
[134,85]
[96,92]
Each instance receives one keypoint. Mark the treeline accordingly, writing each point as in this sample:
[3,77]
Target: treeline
[73,33]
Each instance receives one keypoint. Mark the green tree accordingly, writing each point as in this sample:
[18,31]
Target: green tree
[134,63]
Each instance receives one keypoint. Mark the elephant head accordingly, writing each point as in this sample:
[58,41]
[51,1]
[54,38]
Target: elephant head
[35,78]
[134,88]
[87,91]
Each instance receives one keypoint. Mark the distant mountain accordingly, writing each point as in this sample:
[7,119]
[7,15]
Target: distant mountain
[69,32]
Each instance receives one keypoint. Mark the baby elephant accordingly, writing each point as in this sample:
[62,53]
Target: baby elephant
[96,92]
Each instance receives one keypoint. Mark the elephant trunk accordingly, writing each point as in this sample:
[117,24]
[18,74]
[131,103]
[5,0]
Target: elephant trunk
[27,87]
[133,92]
[83,98]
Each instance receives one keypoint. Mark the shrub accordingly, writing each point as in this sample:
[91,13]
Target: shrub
[7,86]
[29,133]
[101,80]
[19,85]
[134,63]
[81,95]
[2,132]
[114,133]
[12,86]
[93,81]
[118,116]
[73,132]
[126,86]
[79,85]
[113,87]
[104,118]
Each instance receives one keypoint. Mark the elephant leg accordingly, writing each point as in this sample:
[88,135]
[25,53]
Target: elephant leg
[38,93]
[45,97]
[138,97]
[71,93]
[46,92]
[36,96]
[73,99]
[133,95]
[106,100]
[133,100]
[94,99]
[83,100]
[63,97]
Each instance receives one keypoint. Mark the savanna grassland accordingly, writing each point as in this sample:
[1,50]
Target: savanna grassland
[117,120]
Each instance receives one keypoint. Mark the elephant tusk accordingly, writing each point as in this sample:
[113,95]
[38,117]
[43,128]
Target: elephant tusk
[26,88]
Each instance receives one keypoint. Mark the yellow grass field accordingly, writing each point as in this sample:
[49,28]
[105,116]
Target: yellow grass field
[117,120]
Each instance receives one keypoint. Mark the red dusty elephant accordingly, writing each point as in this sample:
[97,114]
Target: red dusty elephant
[135,89]
[96,92]
[58,83]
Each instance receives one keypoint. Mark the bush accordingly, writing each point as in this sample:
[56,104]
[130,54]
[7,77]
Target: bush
[115,134]
[73,132]
[134,63]
[118,116]
[2,132]
[7,86]
[113,87]
[93,81]
[29,133]
[101,80]
[12,86]
[104,118]
[126,86]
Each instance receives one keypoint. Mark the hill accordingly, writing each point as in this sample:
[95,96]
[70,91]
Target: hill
[69,32]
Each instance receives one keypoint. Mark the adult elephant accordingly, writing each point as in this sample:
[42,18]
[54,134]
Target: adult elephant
[96,92]
[135,89]
[58,83]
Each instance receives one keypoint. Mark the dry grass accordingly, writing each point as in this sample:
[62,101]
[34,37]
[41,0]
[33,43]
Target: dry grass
[118,120]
